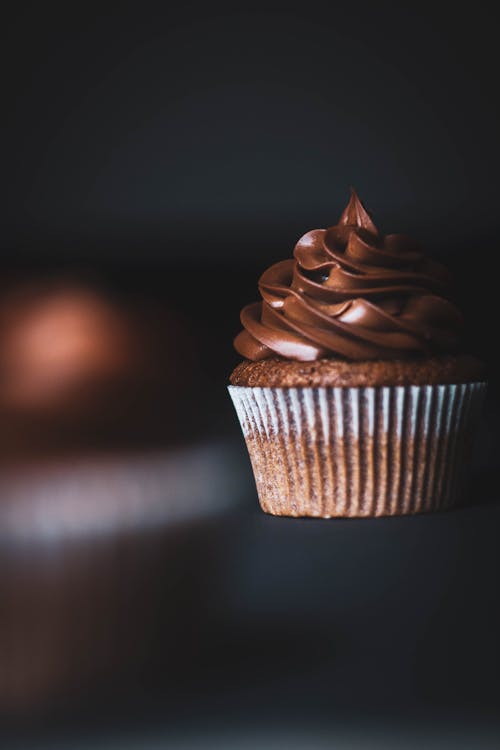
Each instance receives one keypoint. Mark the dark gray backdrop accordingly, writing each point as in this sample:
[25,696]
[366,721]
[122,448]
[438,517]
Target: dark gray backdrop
[151,129]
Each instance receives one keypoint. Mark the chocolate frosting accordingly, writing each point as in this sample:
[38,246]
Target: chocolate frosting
[350,292]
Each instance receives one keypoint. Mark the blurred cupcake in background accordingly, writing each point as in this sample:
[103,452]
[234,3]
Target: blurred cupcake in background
[105,491]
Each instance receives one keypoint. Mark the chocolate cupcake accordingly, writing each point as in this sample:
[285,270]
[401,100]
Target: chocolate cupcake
[354,398]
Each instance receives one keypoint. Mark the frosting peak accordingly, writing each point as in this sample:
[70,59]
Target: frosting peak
[351,293]
[356,215]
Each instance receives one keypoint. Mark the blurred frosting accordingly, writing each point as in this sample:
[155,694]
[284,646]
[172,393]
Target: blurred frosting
[351,292]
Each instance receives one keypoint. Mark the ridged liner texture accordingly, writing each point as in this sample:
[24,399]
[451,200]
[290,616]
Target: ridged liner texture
[351,452]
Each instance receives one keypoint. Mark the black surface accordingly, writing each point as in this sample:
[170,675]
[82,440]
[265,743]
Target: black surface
[345,623]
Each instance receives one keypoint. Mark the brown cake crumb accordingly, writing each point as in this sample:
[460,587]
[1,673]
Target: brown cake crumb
[277,372]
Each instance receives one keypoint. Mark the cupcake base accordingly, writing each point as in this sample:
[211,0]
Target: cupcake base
[358,452]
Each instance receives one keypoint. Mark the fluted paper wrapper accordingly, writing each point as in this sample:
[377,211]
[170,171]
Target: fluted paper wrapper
[382,451]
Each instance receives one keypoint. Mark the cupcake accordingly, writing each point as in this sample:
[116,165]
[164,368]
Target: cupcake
[354,397]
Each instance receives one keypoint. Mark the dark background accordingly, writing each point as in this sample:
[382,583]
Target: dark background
[151,131]
[161,157]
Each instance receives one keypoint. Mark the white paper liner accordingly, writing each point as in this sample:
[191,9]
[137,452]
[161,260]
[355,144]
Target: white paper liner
[329,452]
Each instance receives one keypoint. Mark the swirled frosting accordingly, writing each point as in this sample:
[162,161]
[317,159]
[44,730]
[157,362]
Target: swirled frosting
[350,292]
